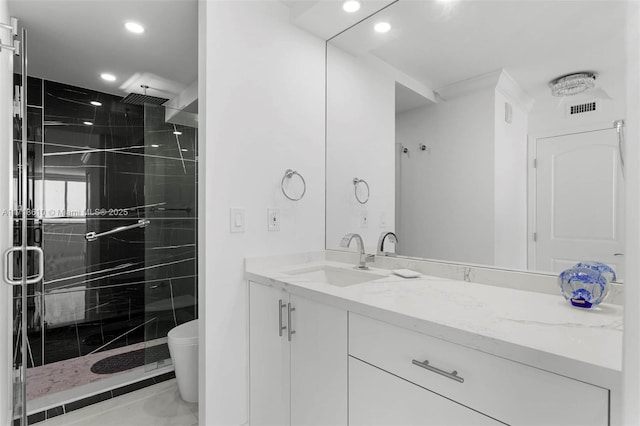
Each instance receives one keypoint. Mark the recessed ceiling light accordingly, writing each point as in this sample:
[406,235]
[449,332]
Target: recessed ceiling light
[177,132]
[88,123]
[382,27]
[184,150]
[134,27]
[155,146]
[108,77]
[351,6]
[96,103]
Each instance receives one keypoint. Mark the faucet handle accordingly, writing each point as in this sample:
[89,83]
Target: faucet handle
[364,259]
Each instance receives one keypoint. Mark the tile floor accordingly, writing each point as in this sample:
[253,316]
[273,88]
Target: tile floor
[157,405]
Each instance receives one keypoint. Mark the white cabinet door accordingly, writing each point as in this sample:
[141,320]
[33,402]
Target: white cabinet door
[380,398]
[302,381]
[318,364]
[268,357]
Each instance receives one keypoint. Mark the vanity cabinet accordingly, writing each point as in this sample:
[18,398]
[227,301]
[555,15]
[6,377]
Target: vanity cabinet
[298,360]
[424,380]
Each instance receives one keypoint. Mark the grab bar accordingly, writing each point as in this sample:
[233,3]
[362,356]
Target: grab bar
[142,223]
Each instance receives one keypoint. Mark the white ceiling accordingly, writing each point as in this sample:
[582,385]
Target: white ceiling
[442,43]
[326,18]
[73,41]
[438,43]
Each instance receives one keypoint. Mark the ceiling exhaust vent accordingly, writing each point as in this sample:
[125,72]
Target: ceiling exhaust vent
[582,108]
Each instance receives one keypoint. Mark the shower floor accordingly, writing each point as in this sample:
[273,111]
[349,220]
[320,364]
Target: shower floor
[64,375]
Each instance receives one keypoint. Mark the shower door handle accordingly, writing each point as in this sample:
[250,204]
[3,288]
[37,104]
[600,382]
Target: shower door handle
[8,269]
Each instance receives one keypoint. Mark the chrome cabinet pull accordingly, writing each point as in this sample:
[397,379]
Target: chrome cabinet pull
[425,364]
[280,326]
[8,266]
[291,331]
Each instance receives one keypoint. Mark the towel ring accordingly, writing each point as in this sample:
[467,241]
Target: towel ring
[356,183]
[288,175]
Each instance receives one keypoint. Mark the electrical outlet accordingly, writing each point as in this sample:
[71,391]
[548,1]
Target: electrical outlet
[273,219]
[364,219]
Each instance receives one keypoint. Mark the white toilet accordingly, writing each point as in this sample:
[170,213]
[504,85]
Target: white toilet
[183,347]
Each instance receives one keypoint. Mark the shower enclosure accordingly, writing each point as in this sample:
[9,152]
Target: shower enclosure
[109,197]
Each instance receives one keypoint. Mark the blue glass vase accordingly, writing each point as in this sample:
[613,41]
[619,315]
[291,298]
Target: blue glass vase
[603,268]
[586,284]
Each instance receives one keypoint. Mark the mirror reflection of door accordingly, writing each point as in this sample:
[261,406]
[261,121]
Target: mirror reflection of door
[579,201]
[465,128]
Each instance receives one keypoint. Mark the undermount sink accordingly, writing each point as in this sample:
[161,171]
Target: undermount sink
[335,276]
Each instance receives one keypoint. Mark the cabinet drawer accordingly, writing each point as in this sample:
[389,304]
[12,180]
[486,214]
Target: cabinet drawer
[505,390]
[377,398]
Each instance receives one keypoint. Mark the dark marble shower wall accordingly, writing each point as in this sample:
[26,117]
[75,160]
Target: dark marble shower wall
[169,177]
[97,168]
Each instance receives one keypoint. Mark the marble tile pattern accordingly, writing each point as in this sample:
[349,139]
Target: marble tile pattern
[93,169]
[531,327]
[63,375]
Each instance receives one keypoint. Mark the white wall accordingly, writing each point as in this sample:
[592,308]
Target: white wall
[510,205]
[631,353]
[447,198]
[263,109]
[360,143]
[6,157]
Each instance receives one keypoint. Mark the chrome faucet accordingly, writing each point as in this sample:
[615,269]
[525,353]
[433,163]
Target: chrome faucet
[364,258]
[392,237]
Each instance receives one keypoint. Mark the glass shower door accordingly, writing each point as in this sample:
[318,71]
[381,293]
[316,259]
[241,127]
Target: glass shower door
[24,262]
[114,206]
[170,181]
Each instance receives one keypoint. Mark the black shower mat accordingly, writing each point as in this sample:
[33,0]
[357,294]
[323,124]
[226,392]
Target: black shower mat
[129,360]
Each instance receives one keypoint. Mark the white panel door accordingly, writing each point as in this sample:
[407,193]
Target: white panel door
[579,201]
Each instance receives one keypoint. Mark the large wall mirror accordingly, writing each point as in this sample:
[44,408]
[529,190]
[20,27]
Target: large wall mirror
[470,152]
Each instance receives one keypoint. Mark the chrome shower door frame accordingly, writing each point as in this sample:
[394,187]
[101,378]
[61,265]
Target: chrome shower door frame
[22,251]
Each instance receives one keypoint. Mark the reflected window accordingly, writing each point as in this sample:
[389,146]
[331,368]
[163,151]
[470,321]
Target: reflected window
[64,198]
[76,198]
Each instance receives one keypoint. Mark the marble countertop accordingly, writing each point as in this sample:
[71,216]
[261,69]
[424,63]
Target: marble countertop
[537,329]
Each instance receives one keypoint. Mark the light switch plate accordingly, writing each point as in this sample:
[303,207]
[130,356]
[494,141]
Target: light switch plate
[236,220]
[273,220]
[383,220]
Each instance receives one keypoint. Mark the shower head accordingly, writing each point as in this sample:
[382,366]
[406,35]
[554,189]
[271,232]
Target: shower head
[141,99]
[138,99]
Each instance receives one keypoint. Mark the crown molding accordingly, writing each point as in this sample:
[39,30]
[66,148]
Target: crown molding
[470,85]
[512,90]
[495,80]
